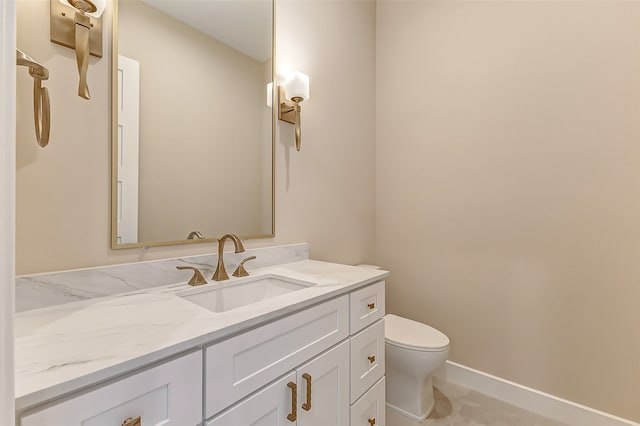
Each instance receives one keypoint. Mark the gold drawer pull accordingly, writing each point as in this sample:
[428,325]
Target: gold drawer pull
[307,405]
[133,422]
[372,359]
[371,305]
[372,421]
[294,402]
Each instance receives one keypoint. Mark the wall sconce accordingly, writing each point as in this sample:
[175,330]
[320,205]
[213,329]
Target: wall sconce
[76,24]
[294,91]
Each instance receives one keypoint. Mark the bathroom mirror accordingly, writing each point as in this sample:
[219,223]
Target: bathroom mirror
[192,125]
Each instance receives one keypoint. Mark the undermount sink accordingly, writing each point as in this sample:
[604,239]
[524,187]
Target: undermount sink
[222,297]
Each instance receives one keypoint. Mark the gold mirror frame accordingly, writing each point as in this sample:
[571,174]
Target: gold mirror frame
[114,144]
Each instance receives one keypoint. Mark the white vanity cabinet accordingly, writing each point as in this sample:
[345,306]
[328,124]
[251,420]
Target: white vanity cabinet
[166,395]
[320,366]
[342,386]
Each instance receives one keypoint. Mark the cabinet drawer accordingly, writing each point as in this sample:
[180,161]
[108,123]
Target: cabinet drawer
[370,409]
[169,394]
[367,358]
[239,365]
[367,306]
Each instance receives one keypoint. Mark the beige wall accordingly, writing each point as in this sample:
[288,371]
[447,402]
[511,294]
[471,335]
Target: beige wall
[324,194]
[197,96]
[508,187]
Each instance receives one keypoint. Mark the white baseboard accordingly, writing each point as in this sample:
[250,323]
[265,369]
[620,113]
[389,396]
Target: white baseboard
[529,399]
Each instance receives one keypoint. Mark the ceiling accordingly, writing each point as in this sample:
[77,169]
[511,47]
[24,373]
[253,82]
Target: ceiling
[244,25]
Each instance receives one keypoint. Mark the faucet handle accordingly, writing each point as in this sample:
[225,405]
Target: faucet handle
[195,235]
[197,278]
[240,271]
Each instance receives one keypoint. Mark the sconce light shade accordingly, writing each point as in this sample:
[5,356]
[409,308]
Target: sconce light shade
[297,86]
[270,94]
[294,91]
[93,8]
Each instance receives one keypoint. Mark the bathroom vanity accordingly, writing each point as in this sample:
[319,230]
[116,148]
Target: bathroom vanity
[305,348]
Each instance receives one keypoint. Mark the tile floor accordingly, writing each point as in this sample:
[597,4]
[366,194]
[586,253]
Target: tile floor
[458,406]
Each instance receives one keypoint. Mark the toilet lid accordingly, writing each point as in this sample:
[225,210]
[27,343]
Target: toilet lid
[414,335]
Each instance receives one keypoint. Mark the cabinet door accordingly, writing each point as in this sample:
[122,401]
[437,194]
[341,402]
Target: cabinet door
[268,407]
[323,389]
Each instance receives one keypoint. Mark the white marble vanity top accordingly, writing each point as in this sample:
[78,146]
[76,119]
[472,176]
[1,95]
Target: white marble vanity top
[63,348]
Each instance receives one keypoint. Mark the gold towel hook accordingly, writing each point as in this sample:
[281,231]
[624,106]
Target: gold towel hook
[41,103]
[41,112]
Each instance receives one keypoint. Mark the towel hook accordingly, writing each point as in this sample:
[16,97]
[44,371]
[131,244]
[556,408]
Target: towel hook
[41,103]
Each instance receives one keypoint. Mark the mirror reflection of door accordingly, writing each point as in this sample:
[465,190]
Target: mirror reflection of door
[128,148]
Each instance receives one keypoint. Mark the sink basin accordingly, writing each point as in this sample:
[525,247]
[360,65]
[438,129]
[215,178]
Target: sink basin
[235,294]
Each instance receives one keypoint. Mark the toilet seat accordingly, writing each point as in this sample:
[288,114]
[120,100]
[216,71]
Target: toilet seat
[409,334]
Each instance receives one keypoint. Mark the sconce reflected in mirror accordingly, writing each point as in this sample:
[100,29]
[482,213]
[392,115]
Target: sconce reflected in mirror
[77,24]
[294,91]
[270,94]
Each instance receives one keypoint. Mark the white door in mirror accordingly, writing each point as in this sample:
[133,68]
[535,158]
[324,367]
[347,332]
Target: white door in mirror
[128,149]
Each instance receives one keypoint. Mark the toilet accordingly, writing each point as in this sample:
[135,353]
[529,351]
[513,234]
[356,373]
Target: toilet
[413,352]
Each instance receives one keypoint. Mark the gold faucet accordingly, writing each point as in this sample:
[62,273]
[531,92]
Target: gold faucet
[221,274]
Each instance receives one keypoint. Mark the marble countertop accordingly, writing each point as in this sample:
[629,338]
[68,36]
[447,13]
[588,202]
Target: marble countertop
[64,348]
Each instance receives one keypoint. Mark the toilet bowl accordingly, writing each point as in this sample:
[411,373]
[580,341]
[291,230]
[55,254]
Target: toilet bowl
[413,352]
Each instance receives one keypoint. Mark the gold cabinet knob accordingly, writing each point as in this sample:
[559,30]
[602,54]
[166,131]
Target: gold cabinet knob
[371,305]
[372,421]
[133,422]
[372,359]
